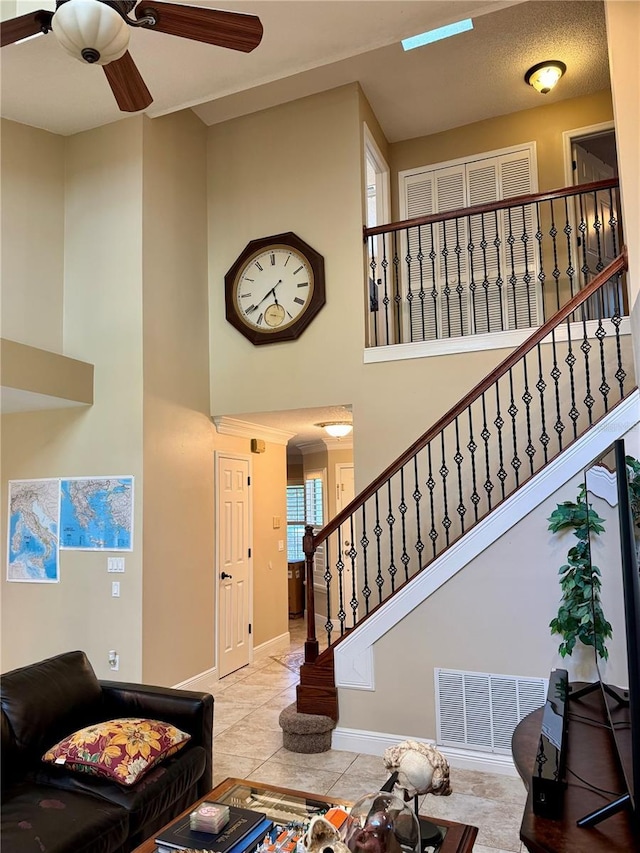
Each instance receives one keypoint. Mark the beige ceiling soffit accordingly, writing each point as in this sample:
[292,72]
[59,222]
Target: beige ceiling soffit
[245,429]
[37,371]
[345,443]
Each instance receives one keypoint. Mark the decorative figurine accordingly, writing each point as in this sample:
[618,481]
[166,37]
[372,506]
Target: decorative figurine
[323,837]
[420,767]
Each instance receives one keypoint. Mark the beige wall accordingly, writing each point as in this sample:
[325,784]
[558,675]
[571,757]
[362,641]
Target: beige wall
[102,319]
[543,125]
[298,167]
[32,163]
[178,529]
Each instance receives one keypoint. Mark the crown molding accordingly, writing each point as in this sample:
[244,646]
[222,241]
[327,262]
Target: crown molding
[246,429]
[323,444]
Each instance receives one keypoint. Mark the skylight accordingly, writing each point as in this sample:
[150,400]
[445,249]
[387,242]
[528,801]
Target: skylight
[436,35]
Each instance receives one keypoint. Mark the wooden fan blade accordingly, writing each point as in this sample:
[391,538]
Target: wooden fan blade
[225,29]
[127,85]
[16,29]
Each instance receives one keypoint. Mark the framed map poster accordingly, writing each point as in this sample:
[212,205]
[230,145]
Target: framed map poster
[34,522]
[96,513]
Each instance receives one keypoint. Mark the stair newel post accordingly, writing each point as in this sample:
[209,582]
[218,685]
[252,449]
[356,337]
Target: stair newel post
[311,645]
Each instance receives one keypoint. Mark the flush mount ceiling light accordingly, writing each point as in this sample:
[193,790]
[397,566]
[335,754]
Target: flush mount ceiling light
[544,76]
[337,429]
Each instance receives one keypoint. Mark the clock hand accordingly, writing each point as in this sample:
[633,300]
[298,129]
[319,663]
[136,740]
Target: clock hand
[253,308]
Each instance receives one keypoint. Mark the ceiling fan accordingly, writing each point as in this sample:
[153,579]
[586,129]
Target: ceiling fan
[97,31]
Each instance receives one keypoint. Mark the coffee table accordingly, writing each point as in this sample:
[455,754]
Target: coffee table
[283,805]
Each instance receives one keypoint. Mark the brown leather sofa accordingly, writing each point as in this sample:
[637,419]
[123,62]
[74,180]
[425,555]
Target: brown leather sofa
[47,809]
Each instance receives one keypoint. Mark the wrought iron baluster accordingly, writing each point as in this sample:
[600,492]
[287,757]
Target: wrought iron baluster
[570,360]
[328,625]
[472,447]
[402,507]
[485,271]
[499,423]
[471,276]
[352,554]
[342,615]
[434,291]
[526,278]
[364,544]
[497,242]
[408,258]
[513,279]
[597,227]
[393,569]
[513,411]
[541,273]
[447,288]
[541,387]
[582,228]
[373,285]
[459,459]
[585,347]
[417,497]
[378,533]
[422,293]
[553,233]
[568,230]
[613,222]
[459,286]
[526,399]
[485,435]
[556,373]
[616,320]
[431,484]
[601,334]
[444,473]
[385,296]
[397,291]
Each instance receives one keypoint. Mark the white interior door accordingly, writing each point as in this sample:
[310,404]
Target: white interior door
[233,569]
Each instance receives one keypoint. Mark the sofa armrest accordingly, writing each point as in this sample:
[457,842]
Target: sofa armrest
[188,710]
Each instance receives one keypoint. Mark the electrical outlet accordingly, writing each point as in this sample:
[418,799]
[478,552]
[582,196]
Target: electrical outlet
[114,660]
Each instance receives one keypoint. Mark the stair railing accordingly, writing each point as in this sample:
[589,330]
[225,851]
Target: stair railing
[491,268]
[550,390]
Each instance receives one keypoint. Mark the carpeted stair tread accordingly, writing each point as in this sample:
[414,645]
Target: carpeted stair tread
[305,733]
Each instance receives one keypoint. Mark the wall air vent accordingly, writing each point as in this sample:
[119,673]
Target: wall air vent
[479,710]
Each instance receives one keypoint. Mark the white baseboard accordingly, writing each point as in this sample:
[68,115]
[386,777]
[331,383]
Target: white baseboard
[271,647]
[201,682]
[375,743]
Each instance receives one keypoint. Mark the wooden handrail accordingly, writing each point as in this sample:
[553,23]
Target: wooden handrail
[515,201]
[617,266]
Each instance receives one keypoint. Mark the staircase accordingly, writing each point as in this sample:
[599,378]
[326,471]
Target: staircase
[570,372]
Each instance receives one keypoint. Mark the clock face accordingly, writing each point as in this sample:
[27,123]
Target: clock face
[275,288]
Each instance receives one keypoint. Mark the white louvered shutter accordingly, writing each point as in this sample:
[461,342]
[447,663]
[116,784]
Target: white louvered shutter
[520,273]
[486,294]
[452,242]
[420,288]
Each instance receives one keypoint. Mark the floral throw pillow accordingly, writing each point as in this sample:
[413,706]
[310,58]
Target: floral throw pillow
[120,750]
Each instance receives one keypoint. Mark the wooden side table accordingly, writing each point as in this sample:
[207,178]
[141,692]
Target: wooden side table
[591,765]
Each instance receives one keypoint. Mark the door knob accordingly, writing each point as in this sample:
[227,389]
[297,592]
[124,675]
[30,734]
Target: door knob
[224,575]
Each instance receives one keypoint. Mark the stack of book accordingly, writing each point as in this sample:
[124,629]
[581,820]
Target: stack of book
[242,833]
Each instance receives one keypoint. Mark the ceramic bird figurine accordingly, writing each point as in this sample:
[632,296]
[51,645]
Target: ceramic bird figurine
[420,767]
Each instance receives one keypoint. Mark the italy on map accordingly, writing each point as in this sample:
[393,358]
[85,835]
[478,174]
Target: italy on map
[32,543]
[96,513]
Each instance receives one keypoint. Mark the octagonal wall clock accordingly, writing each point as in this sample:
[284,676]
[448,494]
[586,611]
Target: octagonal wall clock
[275,288]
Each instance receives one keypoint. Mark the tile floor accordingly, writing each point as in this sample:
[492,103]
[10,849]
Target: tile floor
[248,744]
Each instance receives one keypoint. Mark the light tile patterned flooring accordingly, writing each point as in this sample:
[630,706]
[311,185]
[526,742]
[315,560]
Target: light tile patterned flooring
[248,744]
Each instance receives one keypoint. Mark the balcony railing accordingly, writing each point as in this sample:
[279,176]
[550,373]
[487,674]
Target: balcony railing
[497,267]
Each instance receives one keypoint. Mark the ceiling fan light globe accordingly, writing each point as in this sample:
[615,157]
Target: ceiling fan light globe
[92,27]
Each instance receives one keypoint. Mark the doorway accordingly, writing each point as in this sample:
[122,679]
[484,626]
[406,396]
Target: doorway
[233,561]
